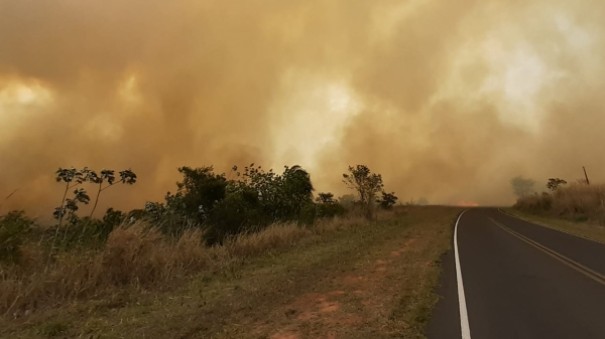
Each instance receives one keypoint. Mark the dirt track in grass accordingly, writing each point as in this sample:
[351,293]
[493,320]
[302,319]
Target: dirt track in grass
[374,280]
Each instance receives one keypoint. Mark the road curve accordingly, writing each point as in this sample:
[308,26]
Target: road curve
[521,280]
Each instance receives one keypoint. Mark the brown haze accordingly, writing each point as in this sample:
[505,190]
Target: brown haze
[447,99]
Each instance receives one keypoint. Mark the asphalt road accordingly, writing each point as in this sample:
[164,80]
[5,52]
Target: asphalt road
[520,280]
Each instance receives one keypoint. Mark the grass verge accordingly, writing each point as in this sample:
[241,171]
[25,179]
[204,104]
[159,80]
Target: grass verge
[345,278]
[584,229]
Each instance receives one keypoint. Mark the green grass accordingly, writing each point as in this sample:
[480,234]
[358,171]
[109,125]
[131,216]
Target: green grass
[356,281]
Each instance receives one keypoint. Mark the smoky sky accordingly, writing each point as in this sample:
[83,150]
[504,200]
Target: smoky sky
[447,100]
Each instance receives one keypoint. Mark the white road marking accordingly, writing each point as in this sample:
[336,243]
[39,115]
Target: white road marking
[466,330]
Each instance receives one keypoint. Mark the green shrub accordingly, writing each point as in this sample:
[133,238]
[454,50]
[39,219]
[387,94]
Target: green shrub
[239,212]
[387,200]
[330,210]
[86,232]
[14,227]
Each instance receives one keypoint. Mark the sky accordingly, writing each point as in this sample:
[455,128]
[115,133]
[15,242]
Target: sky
[447,100]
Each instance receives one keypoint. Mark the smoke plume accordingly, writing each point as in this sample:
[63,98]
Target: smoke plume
[447,100]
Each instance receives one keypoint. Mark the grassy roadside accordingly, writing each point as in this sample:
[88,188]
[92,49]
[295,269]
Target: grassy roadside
[582,229]
[363,280]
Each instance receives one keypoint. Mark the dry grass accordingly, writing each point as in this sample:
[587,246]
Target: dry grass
[577,202]
[274,236]
[136,255]
[578,209]
[581,201]
[371,279]
[345,278]
[140,257]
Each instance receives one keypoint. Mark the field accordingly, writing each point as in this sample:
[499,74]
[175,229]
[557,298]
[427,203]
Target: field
[344,277]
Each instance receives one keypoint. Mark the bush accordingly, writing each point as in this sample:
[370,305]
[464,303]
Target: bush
[387,200]
[239,212]
[14,227]
[87,232]
[197,194]
[250,202]
[330,210]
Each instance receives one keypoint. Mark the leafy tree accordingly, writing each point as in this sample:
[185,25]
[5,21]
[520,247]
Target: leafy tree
[264,185]
[71,204]
[296,191]
[107,179]
[367,185]
[71,177]
[553,184]
[250,200]
[197,194]
[154,210]
[522,187]
[388,200]
[280,196]
[239,212]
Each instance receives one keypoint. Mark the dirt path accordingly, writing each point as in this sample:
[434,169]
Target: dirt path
[382,288]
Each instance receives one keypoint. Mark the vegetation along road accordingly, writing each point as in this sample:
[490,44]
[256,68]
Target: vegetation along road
[509,278]
[344,278]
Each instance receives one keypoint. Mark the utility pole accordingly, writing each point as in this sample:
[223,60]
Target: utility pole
[586,176]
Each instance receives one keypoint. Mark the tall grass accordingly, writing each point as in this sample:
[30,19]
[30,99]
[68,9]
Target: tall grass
[135,255]
[138,256]
[577,202]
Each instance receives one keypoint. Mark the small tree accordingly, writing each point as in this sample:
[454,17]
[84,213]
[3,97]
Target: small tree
[295,191]
[388,200]
[71,177]
[325,198]
[553,184]
[367,185]
[327,206]
[108,178]
[197,194]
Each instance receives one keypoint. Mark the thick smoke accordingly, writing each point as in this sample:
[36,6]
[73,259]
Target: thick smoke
[448,100]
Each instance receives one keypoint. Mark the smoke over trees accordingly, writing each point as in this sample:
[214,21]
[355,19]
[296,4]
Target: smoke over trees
[522,186]
[419,89]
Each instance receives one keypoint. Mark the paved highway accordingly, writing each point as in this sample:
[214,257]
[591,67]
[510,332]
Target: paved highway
[508,278]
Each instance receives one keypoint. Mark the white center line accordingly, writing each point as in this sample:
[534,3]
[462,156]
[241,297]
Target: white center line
[466,330]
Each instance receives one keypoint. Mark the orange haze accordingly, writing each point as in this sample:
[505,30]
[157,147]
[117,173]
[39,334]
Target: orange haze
[447,99]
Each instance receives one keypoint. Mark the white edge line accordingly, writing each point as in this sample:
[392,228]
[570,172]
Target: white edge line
[464,326]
